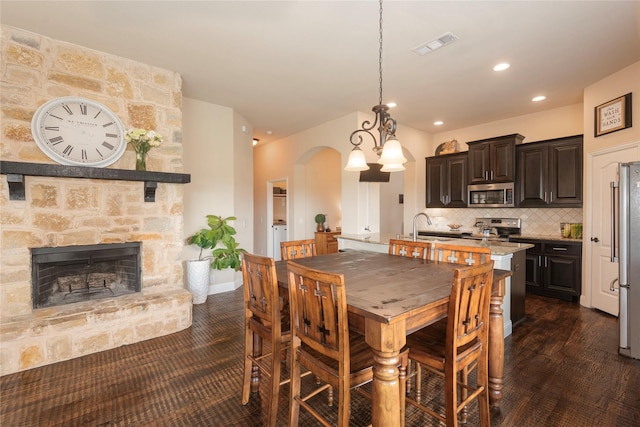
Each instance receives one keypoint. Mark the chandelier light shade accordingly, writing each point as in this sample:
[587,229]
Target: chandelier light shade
[356,161]
[387,147]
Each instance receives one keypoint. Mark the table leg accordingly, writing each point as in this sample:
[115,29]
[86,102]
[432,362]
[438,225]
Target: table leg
[386,390]
[496,350]
[386,341]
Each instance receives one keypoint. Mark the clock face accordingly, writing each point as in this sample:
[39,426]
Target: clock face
[79,132]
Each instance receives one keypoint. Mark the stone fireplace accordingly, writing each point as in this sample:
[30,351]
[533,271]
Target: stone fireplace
[72,212]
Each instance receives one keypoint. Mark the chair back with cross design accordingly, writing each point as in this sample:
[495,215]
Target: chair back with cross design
[295,249]
[459,254]
[460,347]
[407,248]
[321,342]
[263,321]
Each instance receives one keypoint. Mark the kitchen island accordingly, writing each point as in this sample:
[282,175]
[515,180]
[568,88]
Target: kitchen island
[506,256]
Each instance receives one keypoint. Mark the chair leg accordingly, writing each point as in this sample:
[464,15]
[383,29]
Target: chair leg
[248,365]
[451,395]
[294,389]
[418,381]
[275,383]
[403,388]
[344,406]
[483,398]
[464,379]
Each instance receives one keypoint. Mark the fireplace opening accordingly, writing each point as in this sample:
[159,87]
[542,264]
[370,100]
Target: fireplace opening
[65,275]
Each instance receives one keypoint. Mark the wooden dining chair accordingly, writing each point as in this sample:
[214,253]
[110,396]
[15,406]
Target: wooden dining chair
[460,254]
[408,248]
[263,320]
[461,347]
[295,249]
[323,344]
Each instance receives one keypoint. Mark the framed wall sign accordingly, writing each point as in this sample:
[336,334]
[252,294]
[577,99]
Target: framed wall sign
[613,115]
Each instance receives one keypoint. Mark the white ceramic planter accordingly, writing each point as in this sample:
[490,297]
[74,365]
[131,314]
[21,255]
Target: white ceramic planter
[198,279]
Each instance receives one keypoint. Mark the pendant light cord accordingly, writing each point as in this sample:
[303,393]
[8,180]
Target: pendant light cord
[380,56]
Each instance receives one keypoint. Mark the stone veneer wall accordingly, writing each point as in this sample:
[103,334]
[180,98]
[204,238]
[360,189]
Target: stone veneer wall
[66,211]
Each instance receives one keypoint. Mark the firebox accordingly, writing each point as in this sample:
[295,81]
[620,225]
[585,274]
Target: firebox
[69,274]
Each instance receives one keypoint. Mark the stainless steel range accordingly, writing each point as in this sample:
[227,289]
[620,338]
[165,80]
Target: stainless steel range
[496,228]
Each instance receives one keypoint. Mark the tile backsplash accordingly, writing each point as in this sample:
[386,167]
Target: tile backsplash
[545,221]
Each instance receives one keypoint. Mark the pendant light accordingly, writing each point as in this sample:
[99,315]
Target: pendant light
[388,148]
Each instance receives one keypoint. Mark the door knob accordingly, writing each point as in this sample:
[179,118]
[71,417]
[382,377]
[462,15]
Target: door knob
[595,239]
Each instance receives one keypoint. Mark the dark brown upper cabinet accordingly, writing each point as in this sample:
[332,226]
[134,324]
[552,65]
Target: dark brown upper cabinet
[550,173]
[447,181]
[493,159]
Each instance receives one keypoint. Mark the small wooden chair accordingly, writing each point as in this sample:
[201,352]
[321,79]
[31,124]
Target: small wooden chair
[263,320]
[459,254]
[407,248]
[295,249]
[461,347]
[322,343]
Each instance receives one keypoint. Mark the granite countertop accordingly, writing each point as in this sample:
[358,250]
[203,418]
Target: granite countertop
[497,248]
[454,233]
[546,237]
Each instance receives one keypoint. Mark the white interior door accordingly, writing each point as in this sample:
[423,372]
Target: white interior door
[602,272]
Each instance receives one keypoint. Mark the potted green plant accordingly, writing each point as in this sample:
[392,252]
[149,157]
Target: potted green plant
[219,237]
[320,219]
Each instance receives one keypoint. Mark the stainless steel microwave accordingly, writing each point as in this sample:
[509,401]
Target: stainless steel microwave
[498,195]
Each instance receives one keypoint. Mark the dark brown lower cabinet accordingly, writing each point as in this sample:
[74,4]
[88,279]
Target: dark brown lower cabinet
[554,268]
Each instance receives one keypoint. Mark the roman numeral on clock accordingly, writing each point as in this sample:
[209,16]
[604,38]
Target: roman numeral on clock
[107,145]
[84,154]
[57,140]
[68,109]
[83,109]
[68,150]
[56,128]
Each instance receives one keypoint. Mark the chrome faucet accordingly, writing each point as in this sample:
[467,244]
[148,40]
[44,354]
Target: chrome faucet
[415,219]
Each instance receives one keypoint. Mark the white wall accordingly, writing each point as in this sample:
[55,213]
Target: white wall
[287,157]
[547,124]
[618,84]
[219,157]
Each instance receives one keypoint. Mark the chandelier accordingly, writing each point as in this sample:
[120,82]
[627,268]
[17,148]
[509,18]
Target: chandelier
[388,149]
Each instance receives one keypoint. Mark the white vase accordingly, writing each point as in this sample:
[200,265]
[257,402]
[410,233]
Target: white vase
[198,279]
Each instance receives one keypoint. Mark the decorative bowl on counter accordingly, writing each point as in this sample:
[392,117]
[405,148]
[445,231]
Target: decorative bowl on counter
[454,227]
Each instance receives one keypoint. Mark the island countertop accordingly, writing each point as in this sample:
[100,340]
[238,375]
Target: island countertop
[497,247]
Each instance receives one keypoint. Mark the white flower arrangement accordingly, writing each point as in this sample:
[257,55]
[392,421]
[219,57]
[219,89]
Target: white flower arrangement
[143,140]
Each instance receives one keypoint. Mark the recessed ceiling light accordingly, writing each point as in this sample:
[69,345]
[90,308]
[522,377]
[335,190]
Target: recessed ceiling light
[255,141]
[438,123]
[501,67]
[392,104]
[538,98]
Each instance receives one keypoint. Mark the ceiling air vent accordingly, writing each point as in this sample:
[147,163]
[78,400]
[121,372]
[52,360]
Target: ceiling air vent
[428,47]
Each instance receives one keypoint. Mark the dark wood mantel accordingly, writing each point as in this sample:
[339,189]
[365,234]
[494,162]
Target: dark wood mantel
[16,171]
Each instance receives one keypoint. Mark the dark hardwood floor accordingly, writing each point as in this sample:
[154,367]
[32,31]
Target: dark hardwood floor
[561,369]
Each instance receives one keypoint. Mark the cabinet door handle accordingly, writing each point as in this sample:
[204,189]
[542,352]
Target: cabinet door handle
[539,260]
[559,249]
[550,196]
[546,262]
[545,196]
[492,175]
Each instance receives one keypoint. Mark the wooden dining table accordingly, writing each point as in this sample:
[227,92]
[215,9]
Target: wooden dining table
[389,297]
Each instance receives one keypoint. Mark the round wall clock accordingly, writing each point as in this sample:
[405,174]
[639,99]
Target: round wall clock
[79,132]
